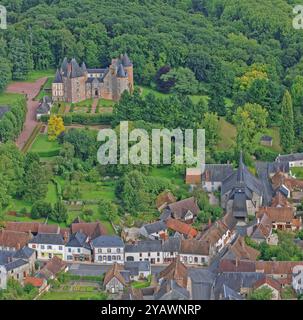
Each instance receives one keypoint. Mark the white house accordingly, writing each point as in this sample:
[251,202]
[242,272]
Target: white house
[294,159]
[108,249]
[44,107]
[194,252]
[171,249]
[297,278]
[146,250]
[138,270]
[78,248]
[47,246]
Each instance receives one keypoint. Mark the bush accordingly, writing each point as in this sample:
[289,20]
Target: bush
[83,118]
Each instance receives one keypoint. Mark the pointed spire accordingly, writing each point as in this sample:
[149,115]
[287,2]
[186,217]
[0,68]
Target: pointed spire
[121,72]
[126,61]
[84,67]
[64,65]
[58,77]
[241,168]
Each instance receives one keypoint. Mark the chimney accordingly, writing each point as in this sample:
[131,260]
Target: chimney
[18,246]
[237,262]
[65,237]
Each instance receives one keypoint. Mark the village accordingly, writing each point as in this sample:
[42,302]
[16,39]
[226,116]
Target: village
[169,258]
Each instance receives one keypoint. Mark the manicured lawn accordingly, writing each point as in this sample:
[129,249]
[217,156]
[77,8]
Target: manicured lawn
[141,284]
[9,98]
[84,103]
[146,91]
[297,172]
[51,195]
[228,134]
[45,148]
[106,103]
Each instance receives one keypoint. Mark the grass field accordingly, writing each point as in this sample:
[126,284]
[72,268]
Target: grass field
[38,74]
[168,173]
[46,89]
[43,147]
[9,98]
[73,295]
[228,134]
[275,134]
[106,103]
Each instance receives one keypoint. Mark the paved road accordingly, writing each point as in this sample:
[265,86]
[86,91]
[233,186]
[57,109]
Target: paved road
[31,89]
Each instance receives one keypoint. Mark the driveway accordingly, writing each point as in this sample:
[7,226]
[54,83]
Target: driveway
[31,89]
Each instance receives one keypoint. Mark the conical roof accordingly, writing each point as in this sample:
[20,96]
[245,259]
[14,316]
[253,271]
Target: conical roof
[121,72]
[126,61]
[58,77]
[64,65]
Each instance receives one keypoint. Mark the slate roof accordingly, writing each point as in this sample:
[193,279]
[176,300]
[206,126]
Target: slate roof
[217,172]
[266,138]
[3,110]
[48,238]
[155,227]
[77,240]
[58,77]
[24,253]
[239,205]
[15,264]
[244,180]
[171,290]
[290,157]
[172,244]
[135,267]
[235,281]
[144,246]
[121,72]
[76,71]
[126,61]
[263,229]
[201,283]
[107,242]
[230,294]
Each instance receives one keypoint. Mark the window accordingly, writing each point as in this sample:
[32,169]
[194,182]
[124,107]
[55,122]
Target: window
[69,257]
[78,250]
[69,250]
[196,260]
[109,250]
[104,258]
[118,257]
[99,250]
[33,246]
[158,254]
[158,259]
[113,258]
[49,247]
[118,250]
[100,258]
[149,254]
[42,246]
[60,248]
[140,255]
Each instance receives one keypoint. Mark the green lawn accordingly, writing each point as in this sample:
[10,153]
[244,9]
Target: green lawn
[45,148]
[106,103]
[73,295]
[297,172]
[46,89]
[275,134]
[9,98]
[146,91]
[196,98]
[84,103]
[38,74]
[228,134]
[167,172]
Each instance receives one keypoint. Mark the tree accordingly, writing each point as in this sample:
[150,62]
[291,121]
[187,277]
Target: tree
[287,124]
[36,178]
[263,293]
[20,55]
[5,73]
[55,127]
[41,209]
[108,209]
[59,213]
[211,125]
[162,84]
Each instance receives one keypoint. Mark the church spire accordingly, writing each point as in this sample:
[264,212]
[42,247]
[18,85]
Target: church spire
[241,168]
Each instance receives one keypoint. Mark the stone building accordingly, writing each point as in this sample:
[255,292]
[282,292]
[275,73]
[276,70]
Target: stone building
[74,83]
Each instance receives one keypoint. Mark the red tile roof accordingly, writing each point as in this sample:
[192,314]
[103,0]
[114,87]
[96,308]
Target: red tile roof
[23,226]
[14,239]
[91,229]
[278,214]
[229,265]
[165,198]
[270,282]
[54,266]
[181,227]
[177,271]
[114,272]
[36,282]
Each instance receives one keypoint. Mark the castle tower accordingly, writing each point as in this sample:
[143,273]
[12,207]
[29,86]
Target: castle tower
[58,87]
[128,67]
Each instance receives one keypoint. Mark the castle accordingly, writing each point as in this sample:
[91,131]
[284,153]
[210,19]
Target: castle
[74,83]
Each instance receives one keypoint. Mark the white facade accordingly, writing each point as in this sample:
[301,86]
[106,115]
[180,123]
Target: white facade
[47,251]
[194,259]
[106,255]
[152,257]
[297,279]
[211,186]
[71,252]
[3,277]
